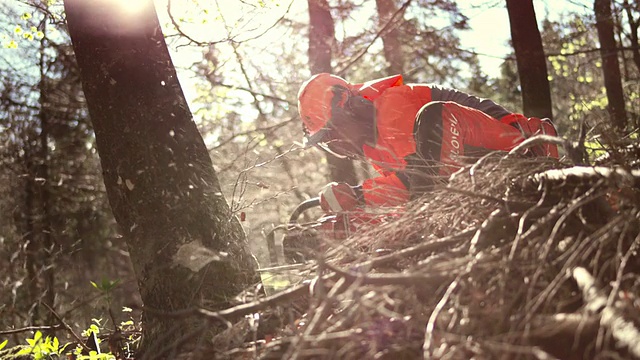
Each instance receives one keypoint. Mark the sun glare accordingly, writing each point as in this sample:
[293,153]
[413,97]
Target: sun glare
[130,7]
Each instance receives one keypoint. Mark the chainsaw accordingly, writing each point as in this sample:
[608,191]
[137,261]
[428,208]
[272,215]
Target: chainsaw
[303,241]
[300,241]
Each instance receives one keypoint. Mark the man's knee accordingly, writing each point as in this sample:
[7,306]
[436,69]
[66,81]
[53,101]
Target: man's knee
[430,113]
[428,130]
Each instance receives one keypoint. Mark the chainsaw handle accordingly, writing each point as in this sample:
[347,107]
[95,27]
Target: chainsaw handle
[271,244]
[293,220]
[302,207]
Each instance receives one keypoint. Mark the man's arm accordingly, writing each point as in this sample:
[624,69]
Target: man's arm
[487,106]
[384,191]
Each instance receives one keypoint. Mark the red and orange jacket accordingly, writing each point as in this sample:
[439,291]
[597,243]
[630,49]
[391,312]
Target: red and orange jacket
[396,107]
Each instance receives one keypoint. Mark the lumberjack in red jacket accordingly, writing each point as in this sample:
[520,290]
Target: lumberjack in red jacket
[412,134]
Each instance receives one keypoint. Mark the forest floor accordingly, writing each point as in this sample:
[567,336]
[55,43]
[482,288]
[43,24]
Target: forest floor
[515,258]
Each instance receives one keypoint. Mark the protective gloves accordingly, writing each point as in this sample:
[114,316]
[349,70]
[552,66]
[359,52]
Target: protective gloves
[339,197]
[534,126]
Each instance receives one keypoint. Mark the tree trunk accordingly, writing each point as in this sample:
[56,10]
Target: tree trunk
[44,187]
[186,247]
[390,37]
[634,24]
[321,38]
[33,246]
[37,234]
[610,64]
[532,64]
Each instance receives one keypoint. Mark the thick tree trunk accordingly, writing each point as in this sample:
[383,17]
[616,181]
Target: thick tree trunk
[610,63]
[321,38]
[390,37]
[186,247]
[532,65]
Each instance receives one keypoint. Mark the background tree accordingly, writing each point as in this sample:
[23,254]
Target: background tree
[530,57]
[632,12]
[432,52]
[611,65]
[40,246]
[187,248]
[57,230]
[33,161]
[389,19]
[321,41]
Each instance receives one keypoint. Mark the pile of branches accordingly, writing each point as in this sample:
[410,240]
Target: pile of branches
[516,258]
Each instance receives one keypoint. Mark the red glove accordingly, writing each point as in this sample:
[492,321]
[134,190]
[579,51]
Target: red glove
[534,126]
[544,127]
[338,197]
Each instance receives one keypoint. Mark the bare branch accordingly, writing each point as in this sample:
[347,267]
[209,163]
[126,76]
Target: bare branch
[623,330]
[344,68]
[32,328]
[66,326]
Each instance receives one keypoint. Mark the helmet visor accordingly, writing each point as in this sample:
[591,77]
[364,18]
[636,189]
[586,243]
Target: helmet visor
[335,141]
[343,133]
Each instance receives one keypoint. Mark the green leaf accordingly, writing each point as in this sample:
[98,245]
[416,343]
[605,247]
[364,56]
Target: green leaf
[95,356]
[108,285]
[105,285]
[36,338]
[25,351]
[3,344]
[63,348]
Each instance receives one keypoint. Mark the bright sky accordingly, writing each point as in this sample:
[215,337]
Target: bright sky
[490,32]
[488,19]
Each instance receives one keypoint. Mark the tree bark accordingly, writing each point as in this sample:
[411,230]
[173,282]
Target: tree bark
[390,37]
[532,64]
[186,247]
[38,232]
[321,38]
[634,24]
[44,186]
[610,63]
